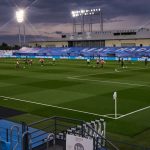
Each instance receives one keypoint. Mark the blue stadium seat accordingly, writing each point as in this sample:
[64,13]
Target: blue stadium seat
[134,52]
[4,145]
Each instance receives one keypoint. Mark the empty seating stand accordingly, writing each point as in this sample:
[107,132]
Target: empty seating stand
[72,52]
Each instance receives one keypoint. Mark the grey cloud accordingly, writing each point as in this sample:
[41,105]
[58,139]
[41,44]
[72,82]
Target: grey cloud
[58,11]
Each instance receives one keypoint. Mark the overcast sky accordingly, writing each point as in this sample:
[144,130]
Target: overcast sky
[44,17]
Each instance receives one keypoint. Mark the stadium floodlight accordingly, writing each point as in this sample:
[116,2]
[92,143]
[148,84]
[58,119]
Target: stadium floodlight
[20,15]
[81,15]
[86,12]
[82,11]
[73,14]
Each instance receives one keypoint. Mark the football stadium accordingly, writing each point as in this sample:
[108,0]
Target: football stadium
[86,90]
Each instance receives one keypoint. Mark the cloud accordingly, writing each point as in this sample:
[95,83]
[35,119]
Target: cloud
[54,15]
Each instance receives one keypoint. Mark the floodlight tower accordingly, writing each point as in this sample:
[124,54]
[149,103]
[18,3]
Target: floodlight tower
[81,14]
[20,16]
[101,21]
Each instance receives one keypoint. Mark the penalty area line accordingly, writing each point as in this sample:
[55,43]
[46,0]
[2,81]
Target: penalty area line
[113,72]
[109,82]
[58,107]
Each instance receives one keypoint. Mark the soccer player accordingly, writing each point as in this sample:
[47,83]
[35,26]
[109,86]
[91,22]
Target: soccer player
[88,61]
[122,63]
[53,61]
[97,62]
[119,60]
[146,61]
[26,62]
[17,64]
[102,63]
[41,61]
[30,62]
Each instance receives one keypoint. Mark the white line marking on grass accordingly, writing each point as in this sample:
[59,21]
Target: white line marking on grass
[109,82]
[113,72]
[5,99]
[114,114]
[94,74]
[133,112]
[47,105]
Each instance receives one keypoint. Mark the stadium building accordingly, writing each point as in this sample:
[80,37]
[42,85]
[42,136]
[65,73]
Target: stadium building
[114,38]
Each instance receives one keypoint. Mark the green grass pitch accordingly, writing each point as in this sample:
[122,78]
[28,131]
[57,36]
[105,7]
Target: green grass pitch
[85,90]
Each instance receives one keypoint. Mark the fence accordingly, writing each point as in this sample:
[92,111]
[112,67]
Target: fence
[54,129]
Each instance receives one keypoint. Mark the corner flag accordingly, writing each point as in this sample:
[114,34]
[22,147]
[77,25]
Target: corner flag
[115,99]
[115,96]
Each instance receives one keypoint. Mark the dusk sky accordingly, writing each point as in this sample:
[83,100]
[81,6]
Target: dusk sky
[45,17]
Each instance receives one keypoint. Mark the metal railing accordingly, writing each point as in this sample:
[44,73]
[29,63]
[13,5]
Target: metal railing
[50,130]
[4,133]
[60,126]
[11,137]
[26,136]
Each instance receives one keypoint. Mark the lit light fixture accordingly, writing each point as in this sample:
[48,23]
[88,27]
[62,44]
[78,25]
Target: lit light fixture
[86,12]
[82,11]
[20,15]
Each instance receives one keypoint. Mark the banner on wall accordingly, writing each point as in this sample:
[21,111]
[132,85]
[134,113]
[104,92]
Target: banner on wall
[78,143]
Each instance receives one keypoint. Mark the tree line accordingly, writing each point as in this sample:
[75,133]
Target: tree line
[5,46]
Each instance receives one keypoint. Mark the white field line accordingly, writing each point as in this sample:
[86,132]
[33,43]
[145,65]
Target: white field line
[94,74]
[119,69]
[47,105]
[110,82]
[133,112]
[114,114]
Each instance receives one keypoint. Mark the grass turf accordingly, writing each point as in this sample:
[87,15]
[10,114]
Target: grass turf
[73,84]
